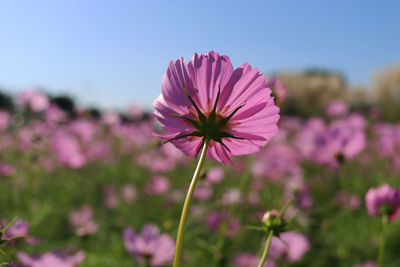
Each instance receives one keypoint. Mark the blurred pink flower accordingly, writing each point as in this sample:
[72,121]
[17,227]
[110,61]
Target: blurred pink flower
[202,192]
[128,193]
[278,88]
[150,247]
[267,164]
[342,140]
[232,108]
[33,99]
[4,120]
[54,114]
[348,200]
[157,185]
[82,221]
[6,169]
[231,196]
[337,108]
[298,191]
[366,264]
[84,129]
[253,198]
[310,137]
[214,220]
[51,259]
[67,150]
[111,199]
[98,150]
[19,228]
[383,200]
[163,159]
[215,175]
[133,135]
[135,111]
[250,260]
[111,118]
[388,138]
[290,245]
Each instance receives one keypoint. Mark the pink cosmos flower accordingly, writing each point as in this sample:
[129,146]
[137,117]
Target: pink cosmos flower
[111,118]
[309,139]
[250,260]
[6,169]
[297,190]
[253,198]
[135,111]
[54,114]
[267,164]
[207,100]
[203,192]
[19,228]
[84,129]
[215,219]
[337,108]
[4,120]
[342,140]
[383,200]
[348,200]
[68,150]
[215,175]
[278,89]
[98,150]
[388,142]
[231,196]
[163,159]
[51,259]
[128,193]
[150,246]
[366,264]
[291,245]
[33,99]
[111,199]
[157,185]
[82,221]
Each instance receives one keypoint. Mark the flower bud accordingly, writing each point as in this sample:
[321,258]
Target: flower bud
[274,222]
[269,215]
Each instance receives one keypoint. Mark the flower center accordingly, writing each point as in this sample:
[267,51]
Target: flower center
[211,127]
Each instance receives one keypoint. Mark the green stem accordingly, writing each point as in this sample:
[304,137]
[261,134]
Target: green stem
[9,225]
[382,243]
[182,223]
[265,252]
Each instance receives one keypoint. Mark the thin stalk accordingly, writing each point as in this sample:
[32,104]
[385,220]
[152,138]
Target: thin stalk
[185,209]
[266,249]
[382,242]
[9,225]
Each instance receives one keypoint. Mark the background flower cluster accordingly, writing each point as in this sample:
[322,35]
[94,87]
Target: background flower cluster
[97,189]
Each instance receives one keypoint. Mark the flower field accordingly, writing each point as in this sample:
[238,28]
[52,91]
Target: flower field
[103,189]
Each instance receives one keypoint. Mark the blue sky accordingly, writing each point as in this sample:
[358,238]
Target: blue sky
[112,53]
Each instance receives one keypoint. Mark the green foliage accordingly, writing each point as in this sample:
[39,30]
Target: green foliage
[339,236]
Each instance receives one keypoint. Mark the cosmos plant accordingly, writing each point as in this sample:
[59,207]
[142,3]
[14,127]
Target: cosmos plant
[209,108]
[384,202]
[150,247]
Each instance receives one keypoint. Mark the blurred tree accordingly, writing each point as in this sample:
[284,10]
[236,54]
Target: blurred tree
[94,113]
[65,103]
[387,91]
[359,99]
[6,102]
[311,91]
